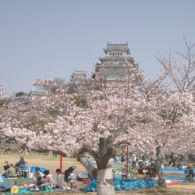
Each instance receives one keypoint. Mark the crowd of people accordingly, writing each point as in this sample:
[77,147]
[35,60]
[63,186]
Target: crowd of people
[41,179]
[144,167]
[58,182]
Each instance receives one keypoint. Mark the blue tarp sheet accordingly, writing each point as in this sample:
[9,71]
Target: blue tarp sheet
[33,169]
[4,177]
[26,191]
[125,184]
[175,170]
[180,179]
[5,184]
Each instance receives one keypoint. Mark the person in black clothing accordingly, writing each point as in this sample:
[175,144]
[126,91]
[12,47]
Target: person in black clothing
[141,171]
[172,161]
[39,181]
[6,166]
[21,163]
[38,186]
[67,173]
[190,174]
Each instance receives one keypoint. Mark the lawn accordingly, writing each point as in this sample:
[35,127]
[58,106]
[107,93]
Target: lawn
[48,161]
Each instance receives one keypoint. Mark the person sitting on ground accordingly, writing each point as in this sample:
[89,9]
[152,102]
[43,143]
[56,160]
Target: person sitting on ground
[190,174]
[37,174]
[21,163]
[152,172]
[39,181]
[60,183]
[49,179]
[38,186]
[79,177]
[141,173]
[6,166]
[11,172]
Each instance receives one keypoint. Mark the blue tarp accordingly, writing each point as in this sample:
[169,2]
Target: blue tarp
[26,191]
[5,184]
[175,170]
[4,177]
[33,169]
[124,184]
[180,179]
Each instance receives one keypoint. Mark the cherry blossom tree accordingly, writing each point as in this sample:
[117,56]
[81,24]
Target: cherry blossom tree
[182,77]
[177,129]
[2,91]
[182,73]
[147,114]
[23,112]
[135,114]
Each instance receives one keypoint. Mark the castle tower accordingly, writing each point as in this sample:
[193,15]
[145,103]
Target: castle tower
[116,64]
[78,80]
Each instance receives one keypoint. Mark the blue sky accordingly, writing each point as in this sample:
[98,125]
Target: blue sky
[52,38]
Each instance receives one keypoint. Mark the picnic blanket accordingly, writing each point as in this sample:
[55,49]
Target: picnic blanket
[33,169]
[4,177]
[22,190]
[5,184]
[179,179]
[175,170]
[124,184]
[118,169]
[26,191]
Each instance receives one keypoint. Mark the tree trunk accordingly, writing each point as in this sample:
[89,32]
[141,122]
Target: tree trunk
[161,179]
[103,173]
[105,183]
[89,167]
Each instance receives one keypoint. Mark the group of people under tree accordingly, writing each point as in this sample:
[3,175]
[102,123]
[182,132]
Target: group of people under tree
[11,170]
[40,179]
[59,181]
[145,166]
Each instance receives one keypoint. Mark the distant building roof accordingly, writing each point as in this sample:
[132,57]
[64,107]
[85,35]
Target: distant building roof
[39,92]
[117,48]
[79,80]
[79,72]
[78,75]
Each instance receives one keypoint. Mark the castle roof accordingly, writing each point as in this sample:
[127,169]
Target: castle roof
[117,48]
